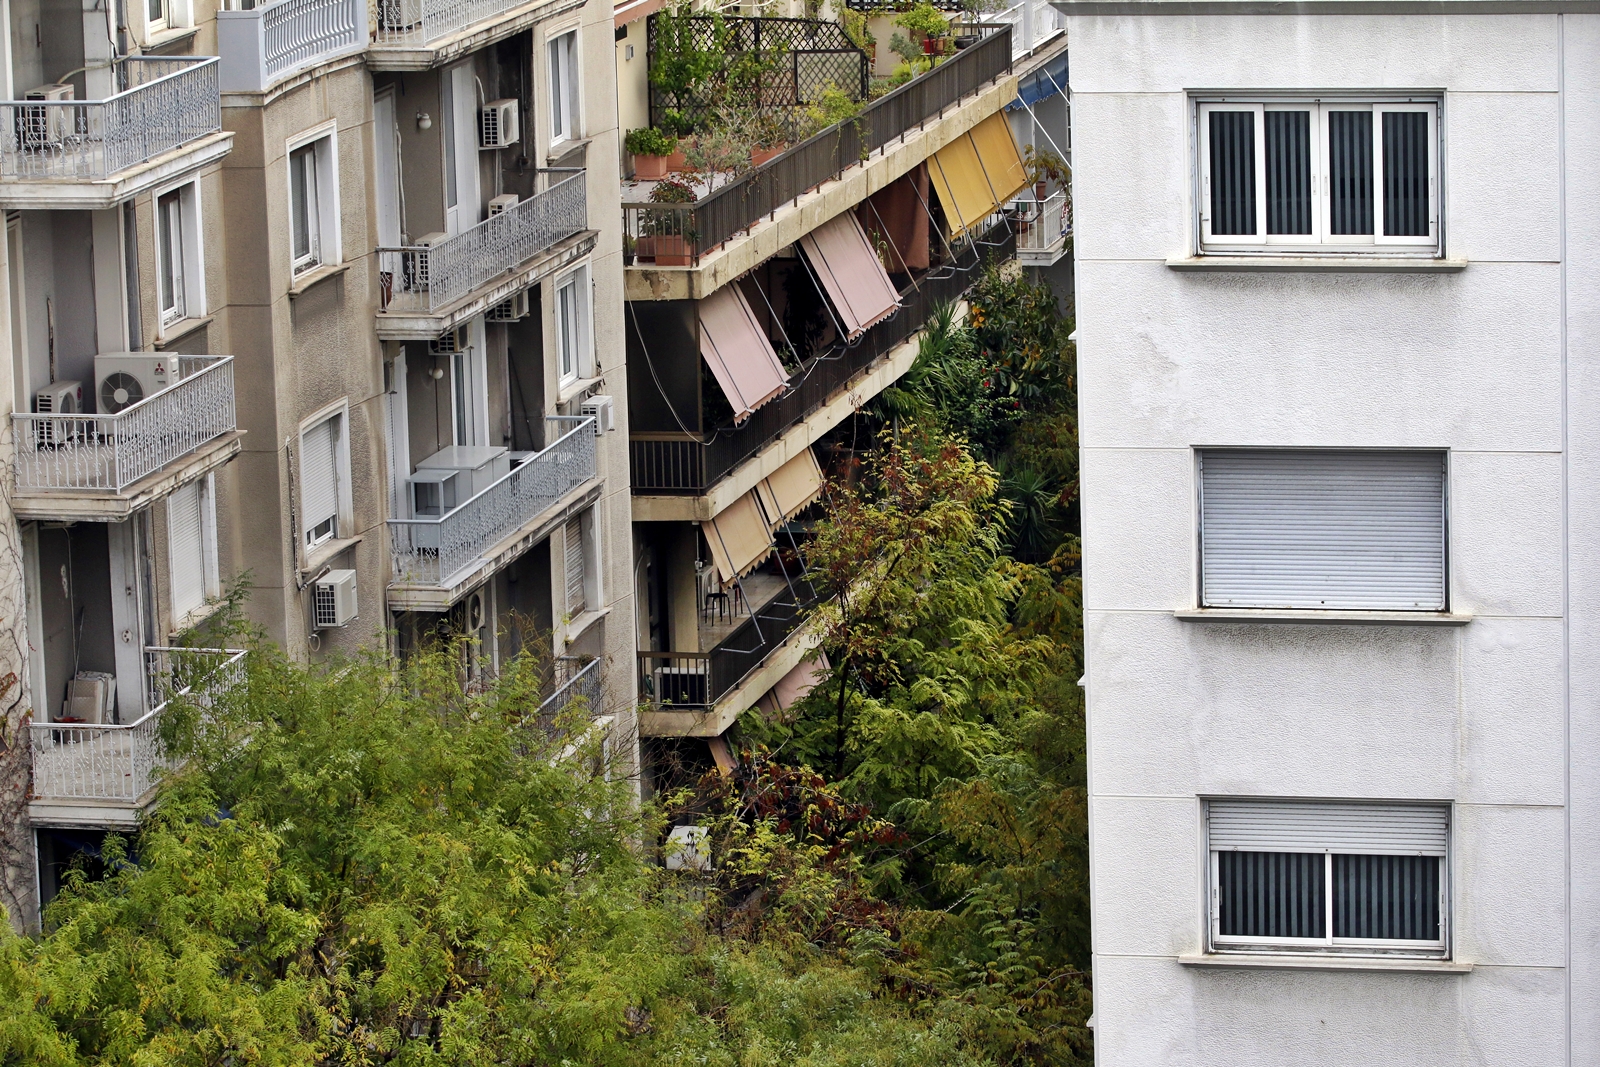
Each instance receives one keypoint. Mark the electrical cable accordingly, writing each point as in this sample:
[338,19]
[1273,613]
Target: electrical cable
[656,377]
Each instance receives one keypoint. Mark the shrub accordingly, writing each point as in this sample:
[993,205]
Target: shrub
[649,142]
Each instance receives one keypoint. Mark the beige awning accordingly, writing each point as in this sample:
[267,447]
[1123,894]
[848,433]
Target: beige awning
[977,172]
[790,488]
[793,687]
[739,538]
[738,352]
[851,274]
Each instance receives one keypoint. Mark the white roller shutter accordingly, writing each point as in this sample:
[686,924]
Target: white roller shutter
[574,558]
[186,550]
[1347,827]
[319,474]
[1323,530]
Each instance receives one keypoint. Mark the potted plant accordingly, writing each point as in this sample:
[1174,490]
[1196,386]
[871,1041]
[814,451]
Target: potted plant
[670,236]
[924,21]
[655,153]
[1042,168]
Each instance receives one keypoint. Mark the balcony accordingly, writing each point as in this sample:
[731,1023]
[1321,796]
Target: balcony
[420,34]
[264,45]
[1043,227]
[87,774]
[424,291]
[165,121]
[437,560]
[105,467]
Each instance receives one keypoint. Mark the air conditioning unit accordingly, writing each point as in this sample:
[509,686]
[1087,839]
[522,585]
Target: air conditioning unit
[604,410]
[333,600]
[435,493]
[475,612]
[58,398]
[498,124]
[688,849]
[502,203]
[451,341]
[680,685]
[509,310]
[399,14]
[124,379]
[43,127]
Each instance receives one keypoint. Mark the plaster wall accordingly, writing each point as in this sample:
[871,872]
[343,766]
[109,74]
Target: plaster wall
[1491,363]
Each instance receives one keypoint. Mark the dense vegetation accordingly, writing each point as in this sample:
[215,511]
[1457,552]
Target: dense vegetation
[360,864]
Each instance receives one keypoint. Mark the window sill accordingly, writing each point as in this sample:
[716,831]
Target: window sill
[1359,618]
[196,617]
[1270,264]
[580,624]
[179,330]
[168,38]
[1262,961]
[313,277]
[320,554]
[576,388]
[562,149]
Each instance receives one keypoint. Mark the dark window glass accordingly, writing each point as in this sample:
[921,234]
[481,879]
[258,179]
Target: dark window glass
[1270,894]
[1405,174]
[1288,171]
[1233,172]
[1393,897]
[1350,172]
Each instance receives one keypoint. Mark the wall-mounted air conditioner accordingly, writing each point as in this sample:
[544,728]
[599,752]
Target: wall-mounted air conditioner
[502,203]
[604,410]
[498,124]
[44,127]
[450,341]
[124,379]
[333,600]
[509,310]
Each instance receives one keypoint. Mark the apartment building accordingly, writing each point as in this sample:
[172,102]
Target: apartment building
[766,309]
[319,294]
[1337,304]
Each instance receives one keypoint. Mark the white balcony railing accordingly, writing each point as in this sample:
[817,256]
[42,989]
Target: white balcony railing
[164,102]
[119,763]
[418,23]
[108,453]
[1041,225]
[269,42]
[431,551]
[584,685]
[427,278]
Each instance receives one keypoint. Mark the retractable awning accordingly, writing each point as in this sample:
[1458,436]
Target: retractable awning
[977,172]
[1041,84]
[851,274]
[786,491]
[738,352]
[793,687]
[895,215]
[739,538]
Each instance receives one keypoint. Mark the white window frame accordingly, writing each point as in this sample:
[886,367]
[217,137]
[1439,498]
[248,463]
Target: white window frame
[1320,240]
[1328,944]
[211,579]
[577,343]
[564,69]
[341,465]
[191,288]
[323,225]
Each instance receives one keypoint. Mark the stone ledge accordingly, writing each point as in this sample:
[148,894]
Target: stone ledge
[1359,618]
[1269,961]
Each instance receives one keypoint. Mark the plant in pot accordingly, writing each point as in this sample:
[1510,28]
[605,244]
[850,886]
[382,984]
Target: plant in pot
[655,153]
[1043,167]
[669,230]
[854,24]
[924,21]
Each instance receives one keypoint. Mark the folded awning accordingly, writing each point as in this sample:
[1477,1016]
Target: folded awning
[851,274]
[896,215]
[977,172]
[786,491]
[1041,84]
[738,352]
[739,538]
[793,687]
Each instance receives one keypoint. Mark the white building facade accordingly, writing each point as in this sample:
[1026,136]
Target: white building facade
[1338,292]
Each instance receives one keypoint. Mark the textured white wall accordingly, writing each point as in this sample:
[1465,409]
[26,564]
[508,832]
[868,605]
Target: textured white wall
[1487,363]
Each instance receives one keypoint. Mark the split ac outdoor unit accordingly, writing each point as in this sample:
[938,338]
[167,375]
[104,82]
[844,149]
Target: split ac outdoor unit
[451,341]
[125,379]
[680,685]
[43,127]
[509,310]
[58,398]
[502,203]
[333,600]
[498,124]
[604,410]
[399,14]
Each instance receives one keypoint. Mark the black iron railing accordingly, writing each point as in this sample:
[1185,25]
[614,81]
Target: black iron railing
[691,681]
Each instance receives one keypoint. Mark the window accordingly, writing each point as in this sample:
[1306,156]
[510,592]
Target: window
[564,124]
[180,277]
[1322,529]
[572,325]
[155,15]
[192,547]
[323,478]
[1355,878]
[313,203]
[1319,175]
[572,550]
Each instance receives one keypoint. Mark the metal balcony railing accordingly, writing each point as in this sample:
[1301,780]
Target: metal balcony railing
[1040,225]
[265,43]
[162,103]
[108,453]
[692,681]
[584,685]
[431,551]
[119,763]
[419,23]
[418,278]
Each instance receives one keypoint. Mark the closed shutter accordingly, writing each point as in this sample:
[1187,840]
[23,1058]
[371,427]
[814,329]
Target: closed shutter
[1347,827]
[319,475]
[1323,529]
[186,550]
[574,552]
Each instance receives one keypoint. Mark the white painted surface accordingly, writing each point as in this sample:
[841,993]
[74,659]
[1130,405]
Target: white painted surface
[1494,363]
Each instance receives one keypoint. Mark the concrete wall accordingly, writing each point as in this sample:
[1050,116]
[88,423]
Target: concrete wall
[1497,716]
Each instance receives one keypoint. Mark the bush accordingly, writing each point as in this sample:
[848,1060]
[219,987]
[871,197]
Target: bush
[649,142]
[924,20]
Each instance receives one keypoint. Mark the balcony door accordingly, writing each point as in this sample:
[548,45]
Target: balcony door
[386,137]
[458,90]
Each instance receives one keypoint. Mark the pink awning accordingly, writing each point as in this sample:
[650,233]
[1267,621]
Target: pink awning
[738,352]
[787,490]
[793,687]
[857,285]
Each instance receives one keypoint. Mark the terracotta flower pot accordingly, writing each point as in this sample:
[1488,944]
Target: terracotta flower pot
[644,248]
[672,251]
[653,168]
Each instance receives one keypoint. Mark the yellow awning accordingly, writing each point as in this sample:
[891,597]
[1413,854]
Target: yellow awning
[977,172]
[739,538]
[790,488]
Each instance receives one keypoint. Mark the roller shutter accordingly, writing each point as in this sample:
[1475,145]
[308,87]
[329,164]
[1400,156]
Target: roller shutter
[573,547]
[319,475]
[1347,827]
[186,550]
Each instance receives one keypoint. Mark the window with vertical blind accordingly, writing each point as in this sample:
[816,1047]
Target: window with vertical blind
[1356,877]
[321,475]
[192,576]
[1323,529]
[1319,174]
[573,551]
